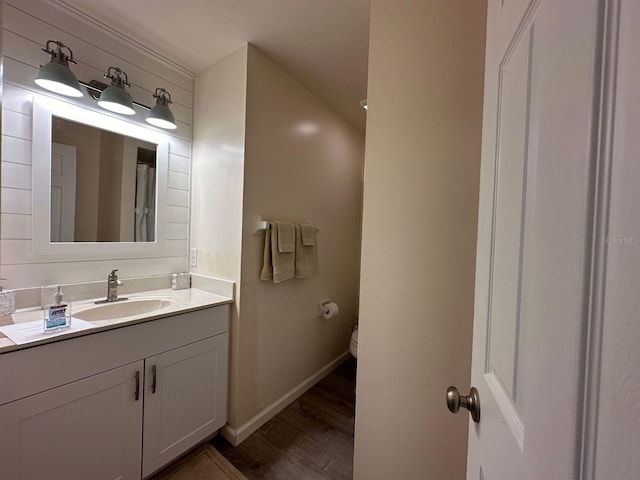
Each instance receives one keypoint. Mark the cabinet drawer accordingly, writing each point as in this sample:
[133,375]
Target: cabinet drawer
[32,370]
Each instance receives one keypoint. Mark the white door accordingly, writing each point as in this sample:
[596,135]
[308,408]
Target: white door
[63,192]
[185,399]
[57,435]
[534,238]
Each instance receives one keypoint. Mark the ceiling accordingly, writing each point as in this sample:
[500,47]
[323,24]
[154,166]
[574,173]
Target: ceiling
[322,43]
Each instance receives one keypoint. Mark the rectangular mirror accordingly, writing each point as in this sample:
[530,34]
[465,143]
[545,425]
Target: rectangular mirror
[103,185]
[96,179]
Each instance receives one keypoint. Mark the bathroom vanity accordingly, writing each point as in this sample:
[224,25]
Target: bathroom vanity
[118,401]
[130,394]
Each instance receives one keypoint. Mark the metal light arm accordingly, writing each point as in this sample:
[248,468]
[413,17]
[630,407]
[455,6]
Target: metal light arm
[162,97]
[119,78]
[58,55]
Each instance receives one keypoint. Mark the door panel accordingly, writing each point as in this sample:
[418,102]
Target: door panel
[185,399]
[532,237]
[63,192]
[512,132]
[56,434]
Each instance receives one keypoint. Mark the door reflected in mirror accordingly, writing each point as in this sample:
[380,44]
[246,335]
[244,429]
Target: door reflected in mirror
[103,185]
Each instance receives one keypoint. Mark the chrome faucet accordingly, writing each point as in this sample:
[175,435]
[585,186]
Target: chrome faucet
[112,288]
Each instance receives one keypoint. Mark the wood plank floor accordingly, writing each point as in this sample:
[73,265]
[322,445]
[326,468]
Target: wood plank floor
[311,439]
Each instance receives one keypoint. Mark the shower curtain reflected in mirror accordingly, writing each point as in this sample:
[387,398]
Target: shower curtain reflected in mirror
[145,203]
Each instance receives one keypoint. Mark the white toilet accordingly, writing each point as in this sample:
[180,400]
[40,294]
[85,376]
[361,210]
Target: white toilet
[353,346]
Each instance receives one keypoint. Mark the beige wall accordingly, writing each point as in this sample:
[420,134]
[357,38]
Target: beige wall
[293,159]
[218,166]
[109,186]
[419,236]
[218,180]
[303,162]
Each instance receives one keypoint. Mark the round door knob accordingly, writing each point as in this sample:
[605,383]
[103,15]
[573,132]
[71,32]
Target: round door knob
[471,402]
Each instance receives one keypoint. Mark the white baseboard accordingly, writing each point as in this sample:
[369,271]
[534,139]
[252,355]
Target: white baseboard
[237,435]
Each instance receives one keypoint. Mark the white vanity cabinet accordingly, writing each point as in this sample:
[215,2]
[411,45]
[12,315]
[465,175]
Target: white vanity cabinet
[183,403]
[117,404]
[90,428]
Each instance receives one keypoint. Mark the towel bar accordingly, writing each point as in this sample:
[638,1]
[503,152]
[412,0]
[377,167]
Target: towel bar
[262,225]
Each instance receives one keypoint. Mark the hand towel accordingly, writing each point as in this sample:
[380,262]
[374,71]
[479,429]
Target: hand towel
[306,256]
[267,262]
[308,234]
[286,237]
[283,263]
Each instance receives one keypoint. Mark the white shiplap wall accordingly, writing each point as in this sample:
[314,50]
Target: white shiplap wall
[27,25]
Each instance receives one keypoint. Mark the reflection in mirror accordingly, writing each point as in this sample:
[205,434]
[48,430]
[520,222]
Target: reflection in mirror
[103,185]
[133,136]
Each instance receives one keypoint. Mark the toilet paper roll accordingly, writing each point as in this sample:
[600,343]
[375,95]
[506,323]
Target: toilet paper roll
[331,309]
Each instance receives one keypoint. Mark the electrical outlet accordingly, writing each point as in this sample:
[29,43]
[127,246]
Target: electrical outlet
[194,257]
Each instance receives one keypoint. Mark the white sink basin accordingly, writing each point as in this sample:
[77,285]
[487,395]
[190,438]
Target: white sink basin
[125,308]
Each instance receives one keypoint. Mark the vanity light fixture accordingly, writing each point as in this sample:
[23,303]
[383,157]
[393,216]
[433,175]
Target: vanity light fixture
[160,115]
[56,76]
[114,98]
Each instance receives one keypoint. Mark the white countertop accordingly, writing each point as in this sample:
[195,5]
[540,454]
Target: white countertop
[182,301]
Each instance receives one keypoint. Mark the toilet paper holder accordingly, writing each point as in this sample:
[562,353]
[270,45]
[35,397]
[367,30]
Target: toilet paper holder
[323,305]
[328,309]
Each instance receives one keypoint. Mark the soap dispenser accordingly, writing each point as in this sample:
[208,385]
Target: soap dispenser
[57,314]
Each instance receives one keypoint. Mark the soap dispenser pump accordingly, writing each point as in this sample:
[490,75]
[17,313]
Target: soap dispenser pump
[57,315]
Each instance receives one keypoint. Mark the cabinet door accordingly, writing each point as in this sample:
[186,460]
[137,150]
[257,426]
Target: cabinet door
[87,429]
[185,399]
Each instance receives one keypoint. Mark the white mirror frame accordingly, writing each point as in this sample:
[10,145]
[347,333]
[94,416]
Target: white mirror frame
[44,109]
